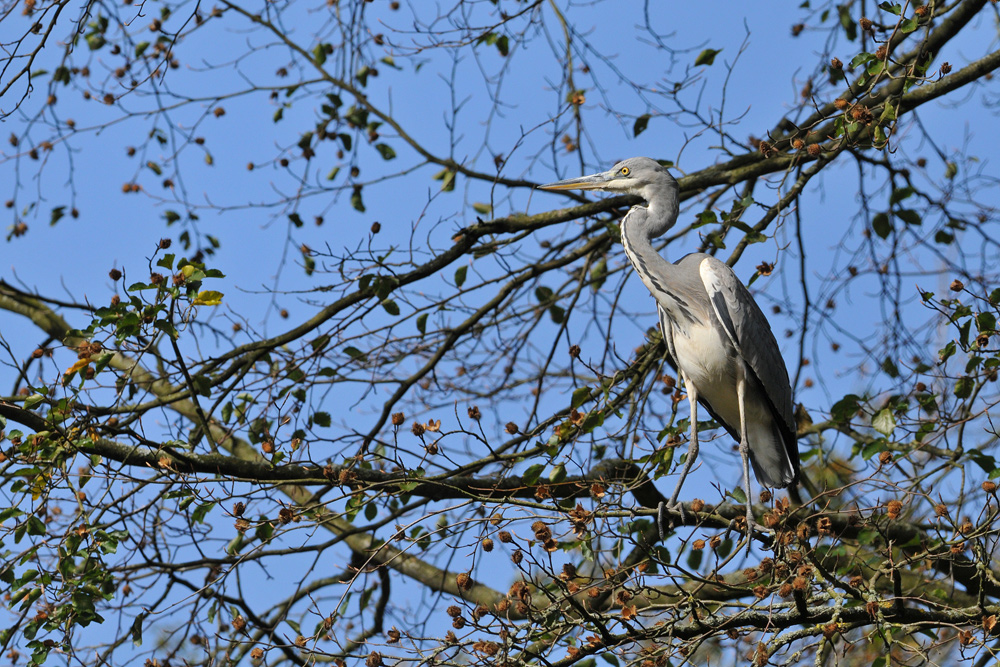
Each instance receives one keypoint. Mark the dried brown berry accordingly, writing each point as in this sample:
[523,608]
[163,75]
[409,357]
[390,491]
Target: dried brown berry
[512,428]
[487,544]
[866,23]
[990,486]
[894,508]
[505,537]
[398,418]
[474,413]
[836,63]
[957,285]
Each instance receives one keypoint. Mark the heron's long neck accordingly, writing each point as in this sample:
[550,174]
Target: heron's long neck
[660,277]
[638,242]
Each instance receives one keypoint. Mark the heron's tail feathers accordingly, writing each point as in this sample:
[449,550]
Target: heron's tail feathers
[769,456]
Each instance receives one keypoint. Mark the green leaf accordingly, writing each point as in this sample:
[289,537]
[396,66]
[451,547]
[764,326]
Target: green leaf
[391,307]
[333,173]
[891,8]
[482,209]
[890,368]
[899,194]
[707,57]
[319,54]
[32,401]
[57,214]
[557,474]
[321,419]
[386,151]
[355,353]
[580,397]
[881,225]
[137,629]
[909,216]
[295,219]
[448,182]
[167,262]
[847,22]
[140,48]
[503,45]
[739,495]
[694,559]
[909,25]
[884,422]
[531,475]
[846,408]
[422,323]
[640,125]
[964,387]
[951,171]
[356,202]
[861,59]
[166,327]
[460,275]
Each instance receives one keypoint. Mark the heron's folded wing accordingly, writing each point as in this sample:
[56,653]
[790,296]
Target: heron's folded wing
[749,331]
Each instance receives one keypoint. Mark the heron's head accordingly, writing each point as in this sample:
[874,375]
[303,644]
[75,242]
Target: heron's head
[632,176]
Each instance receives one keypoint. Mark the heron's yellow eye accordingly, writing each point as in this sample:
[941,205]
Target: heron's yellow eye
[624,171]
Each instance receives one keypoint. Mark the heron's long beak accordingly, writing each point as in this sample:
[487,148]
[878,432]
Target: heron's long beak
[592,182]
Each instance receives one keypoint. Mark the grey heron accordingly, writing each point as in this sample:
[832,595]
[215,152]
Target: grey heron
[717,338]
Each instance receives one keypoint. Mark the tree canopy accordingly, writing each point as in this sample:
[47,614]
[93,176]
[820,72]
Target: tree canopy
[299,368]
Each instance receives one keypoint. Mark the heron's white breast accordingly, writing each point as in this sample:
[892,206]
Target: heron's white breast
[706,358]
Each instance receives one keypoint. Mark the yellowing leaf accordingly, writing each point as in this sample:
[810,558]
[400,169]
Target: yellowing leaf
[208,298]
[78,366]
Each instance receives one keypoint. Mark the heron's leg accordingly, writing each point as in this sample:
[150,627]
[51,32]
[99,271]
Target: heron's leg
[692,454]
[745,450]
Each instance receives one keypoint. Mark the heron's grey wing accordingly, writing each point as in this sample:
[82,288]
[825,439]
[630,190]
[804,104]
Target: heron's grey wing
[668,336]
[750,333]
